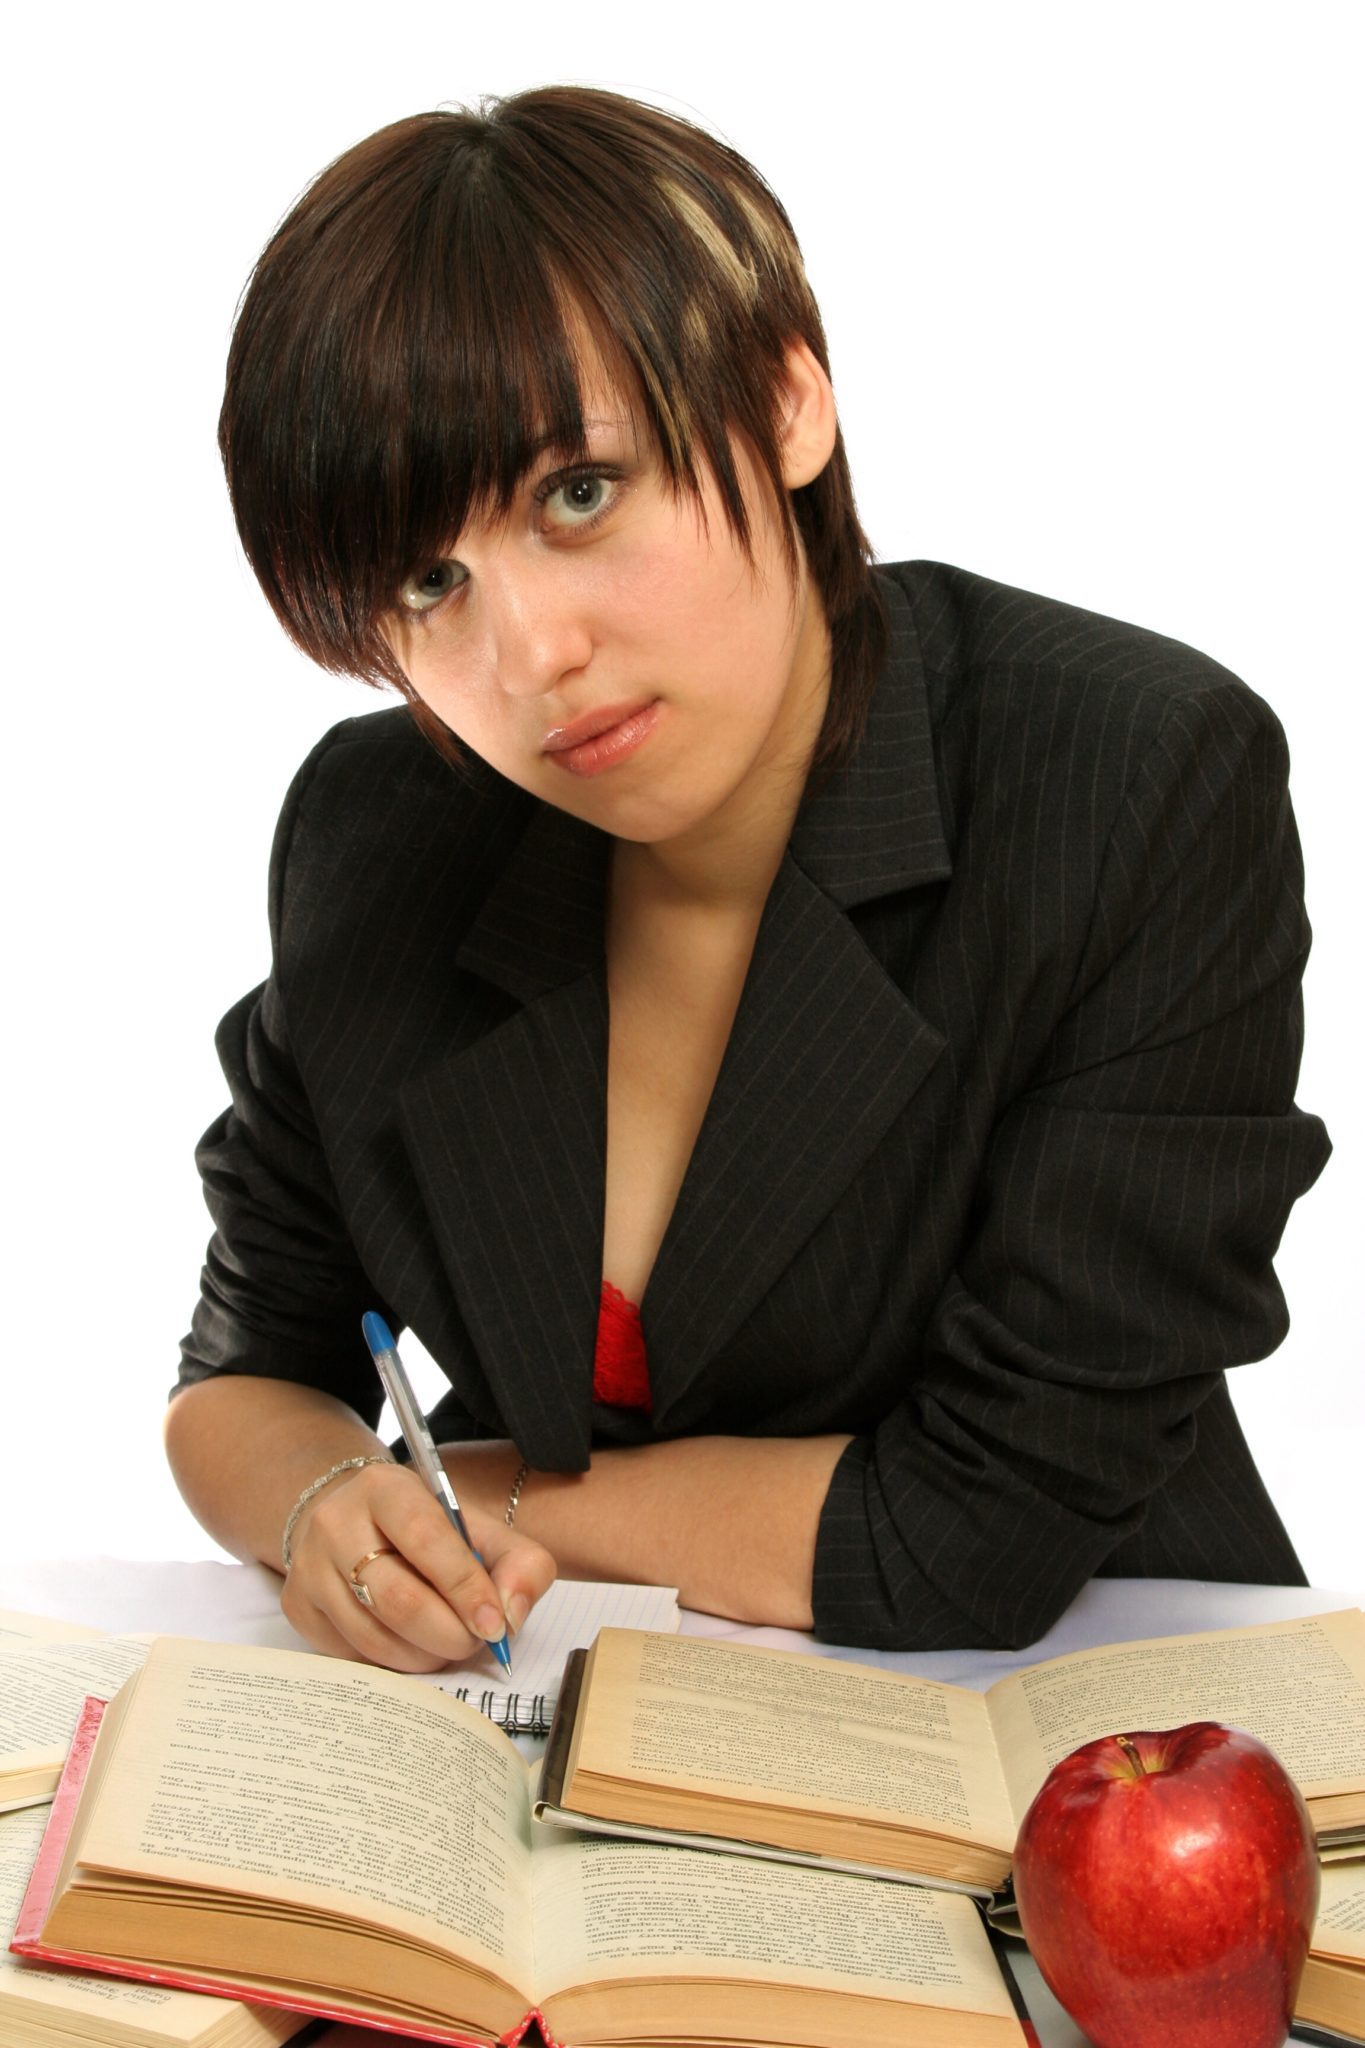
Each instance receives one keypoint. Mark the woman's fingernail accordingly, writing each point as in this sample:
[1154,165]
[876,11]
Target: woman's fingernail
[489,1623]
[518,1607]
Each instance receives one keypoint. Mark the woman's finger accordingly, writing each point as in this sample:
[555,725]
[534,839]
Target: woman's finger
[321,1633]
[403,1622]
[406,1625]
[415,1613]
[431,1601]
[334,1539]
[523,1573]
[417,1526]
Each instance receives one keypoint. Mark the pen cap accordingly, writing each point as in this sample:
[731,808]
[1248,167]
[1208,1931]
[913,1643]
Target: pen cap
[377,1333]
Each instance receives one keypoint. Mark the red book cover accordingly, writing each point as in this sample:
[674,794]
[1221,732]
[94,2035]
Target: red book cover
[33,1913]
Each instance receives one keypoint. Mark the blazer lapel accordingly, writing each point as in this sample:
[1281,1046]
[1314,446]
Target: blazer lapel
[508,1135]
[508,1139]
[825,1050]
[823,1054]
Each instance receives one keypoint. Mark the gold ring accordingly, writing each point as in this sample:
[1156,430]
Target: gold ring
[358,1586]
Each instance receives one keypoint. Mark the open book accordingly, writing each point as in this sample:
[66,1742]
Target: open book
[345,1841]
[41,2008]
[772,1751]
[46,1670]
[1332,1993]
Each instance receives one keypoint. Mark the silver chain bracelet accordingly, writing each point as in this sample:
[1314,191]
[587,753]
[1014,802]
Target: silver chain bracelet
[346,1465]
[515,1495]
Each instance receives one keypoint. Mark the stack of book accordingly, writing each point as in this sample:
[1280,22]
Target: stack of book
[721,1842]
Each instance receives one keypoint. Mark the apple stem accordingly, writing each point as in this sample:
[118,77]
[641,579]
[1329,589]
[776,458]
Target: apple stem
[1129,1749]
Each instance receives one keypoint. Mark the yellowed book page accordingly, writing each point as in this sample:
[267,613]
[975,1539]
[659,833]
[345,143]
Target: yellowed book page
[610,1911]
[1299,1686]
[787,1730]
[1340,1929]
[38,1628]
[43,1684]
[88,2002]
[355,1791]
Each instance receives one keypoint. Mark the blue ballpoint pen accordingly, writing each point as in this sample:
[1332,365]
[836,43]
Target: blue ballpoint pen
[417,1437]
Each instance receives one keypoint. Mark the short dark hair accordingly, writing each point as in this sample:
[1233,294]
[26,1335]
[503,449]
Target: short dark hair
[406,339]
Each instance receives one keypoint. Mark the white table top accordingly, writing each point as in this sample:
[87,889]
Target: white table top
[240,1603]
[237,1603]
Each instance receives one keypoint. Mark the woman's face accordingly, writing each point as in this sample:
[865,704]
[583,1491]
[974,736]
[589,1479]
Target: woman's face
[601,591]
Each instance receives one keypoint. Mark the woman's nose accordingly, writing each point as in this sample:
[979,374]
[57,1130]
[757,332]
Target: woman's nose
[537,631]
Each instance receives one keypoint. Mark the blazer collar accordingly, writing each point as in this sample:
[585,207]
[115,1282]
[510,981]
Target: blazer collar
[508,1134]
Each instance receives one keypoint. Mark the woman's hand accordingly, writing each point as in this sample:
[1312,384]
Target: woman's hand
[433,1602]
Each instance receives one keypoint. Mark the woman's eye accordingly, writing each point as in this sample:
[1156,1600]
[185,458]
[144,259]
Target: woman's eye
[579,500]
[420,593]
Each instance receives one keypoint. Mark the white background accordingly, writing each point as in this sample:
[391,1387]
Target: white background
[1087,280]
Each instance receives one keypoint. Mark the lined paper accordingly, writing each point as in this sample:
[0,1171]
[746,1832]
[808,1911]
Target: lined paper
[567,1618]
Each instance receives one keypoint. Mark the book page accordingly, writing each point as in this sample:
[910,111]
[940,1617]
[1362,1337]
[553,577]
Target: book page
[42,1686]
[313,1781]
[84,2000]
[783,1729]
[1340,1928]
[610,1911]
[37,1628]
[1298,1686]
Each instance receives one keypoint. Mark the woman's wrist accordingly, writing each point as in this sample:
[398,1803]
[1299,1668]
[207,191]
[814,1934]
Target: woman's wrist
[315,1487]
[243,1448]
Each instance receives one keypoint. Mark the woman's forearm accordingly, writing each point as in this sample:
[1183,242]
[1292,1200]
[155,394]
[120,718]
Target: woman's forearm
[730,1521]
[243,1449]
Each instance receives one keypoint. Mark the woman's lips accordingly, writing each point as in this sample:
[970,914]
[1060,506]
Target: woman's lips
[607,747]
[591,724]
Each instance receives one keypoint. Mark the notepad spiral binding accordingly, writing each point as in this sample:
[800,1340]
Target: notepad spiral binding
[514,1712]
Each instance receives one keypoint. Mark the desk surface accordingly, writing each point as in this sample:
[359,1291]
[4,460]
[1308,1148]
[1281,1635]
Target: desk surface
[240,1603]
[237,1603]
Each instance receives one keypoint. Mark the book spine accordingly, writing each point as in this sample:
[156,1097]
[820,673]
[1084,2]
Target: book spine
[43,1878]
[534,2018]
[555,1763]
[1000,1942]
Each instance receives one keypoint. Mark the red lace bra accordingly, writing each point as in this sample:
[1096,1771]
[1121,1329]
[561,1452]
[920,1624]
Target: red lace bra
[620,1372]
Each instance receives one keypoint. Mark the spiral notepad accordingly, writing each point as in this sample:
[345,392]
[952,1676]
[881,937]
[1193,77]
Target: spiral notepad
[568,1618]
[517,1713]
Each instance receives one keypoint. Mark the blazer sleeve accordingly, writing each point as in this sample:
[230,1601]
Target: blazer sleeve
[282,1289]
[1129,1205]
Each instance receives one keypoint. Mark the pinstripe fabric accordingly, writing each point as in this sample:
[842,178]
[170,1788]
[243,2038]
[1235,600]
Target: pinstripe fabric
[994,1169]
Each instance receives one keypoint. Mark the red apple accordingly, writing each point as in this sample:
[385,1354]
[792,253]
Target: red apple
[1167,1885]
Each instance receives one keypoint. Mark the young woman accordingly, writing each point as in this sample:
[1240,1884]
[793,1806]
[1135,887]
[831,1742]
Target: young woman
[809,1047]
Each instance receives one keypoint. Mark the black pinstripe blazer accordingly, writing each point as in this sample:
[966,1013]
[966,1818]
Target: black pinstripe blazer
[999,1154]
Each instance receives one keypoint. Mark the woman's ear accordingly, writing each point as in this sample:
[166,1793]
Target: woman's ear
[811,422]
